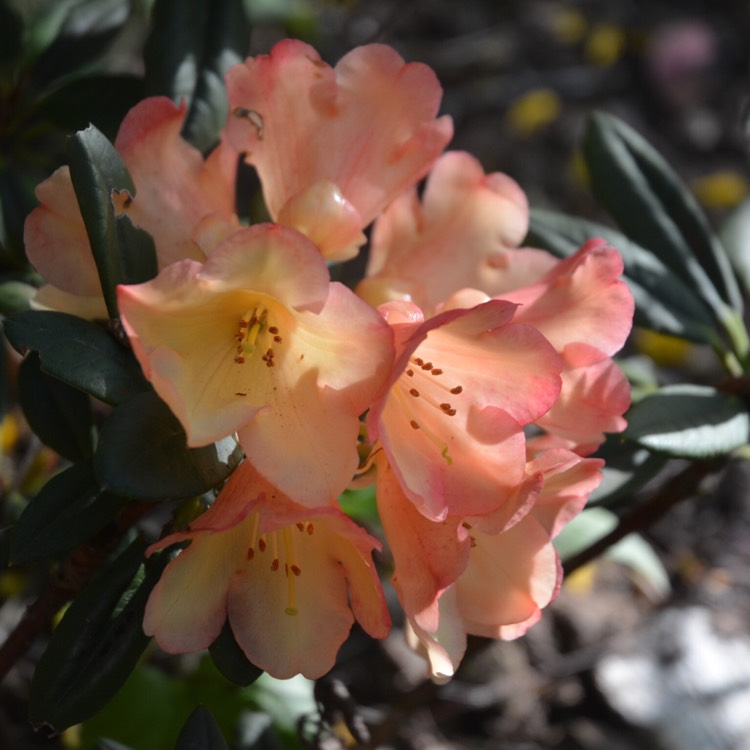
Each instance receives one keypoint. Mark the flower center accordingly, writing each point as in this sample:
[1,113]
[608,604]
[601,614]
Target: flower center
[254,332]
[428,393]
[282,546]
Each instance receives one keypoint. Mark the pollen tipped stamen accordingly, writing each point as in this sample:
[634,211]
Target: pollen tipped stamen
[291,565]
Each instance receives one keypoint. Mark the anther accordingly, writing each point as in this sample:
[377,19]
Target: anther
[436,371]
[273,329]
[296,570]
[310,528]
[275,564]
[458,389]
[418,361]
[262,544]
[446,407]
[410,372]
[427,366]
[414,424]
[300,525]
[414,392]
[250,553]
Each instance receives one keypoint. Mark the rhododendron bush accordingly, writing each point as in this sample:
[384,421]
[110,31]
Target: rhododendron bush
[397,379]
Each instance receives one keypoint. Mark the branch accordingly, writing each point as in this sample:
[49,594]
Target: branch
[677,489]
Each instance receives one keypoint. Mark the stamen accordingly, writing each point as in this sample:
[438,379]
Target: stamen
[414,423]
[436,371]
[291,564]
[458,389]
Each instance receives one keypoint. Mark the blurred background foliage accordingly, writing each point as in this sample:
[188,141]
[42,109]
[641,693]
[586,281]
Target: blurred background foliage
[521,79]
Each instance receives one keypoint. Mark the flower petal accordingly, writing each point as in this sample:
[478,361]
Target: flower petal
[368,125]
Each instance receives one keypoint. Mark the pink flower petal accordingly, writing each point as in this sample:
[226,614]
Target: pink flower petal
[368,125]
[457,237]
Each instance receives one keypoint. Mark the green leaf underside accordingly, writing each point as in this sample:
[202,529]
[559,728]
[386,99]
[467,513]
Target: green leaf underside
[689,421]
[664,303]
[190,48]
[653,207]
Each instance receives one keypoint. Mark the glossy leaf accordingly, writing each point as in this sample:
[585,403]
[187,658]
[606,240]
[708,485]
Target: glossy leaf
[97,171]
[15,296]
[663,301]
[230,659]
[143,454]
[11,31]
[200,732]
[735,235]
[66,512]
[689,421]
[101,99]
[633,551]
[628,467]
[78,352]
[654,208]
[105,744]
[59,414]
[190,48]
[97,643]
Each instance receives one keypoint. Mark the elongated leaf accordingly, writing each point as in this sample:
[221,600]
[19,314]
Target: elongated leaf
[97,171]
[190,48]
[689,421]
[97,644]
[200,732]
[735,236]
[143,454]
[663,301]
[654,208]
[230,659]
[78,352]
[627,468]
[58,413]
[633,551]
[67,512]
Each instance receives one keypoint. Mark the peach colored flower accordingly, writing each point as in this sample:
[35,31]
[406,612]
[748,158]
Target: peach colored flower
[583,308]
[464,385]
[482,575]
[259,342]
[333,146]
[458,236]
[175,189]
[290,579]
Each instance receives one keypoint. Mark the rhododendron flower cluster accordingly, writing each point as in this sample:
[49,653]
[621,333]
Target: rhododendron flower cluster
[467,378]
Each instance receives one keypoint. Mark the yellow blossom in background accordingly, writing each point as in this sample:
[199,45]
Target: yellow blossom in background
[721,190]
[533,110]
[605,45]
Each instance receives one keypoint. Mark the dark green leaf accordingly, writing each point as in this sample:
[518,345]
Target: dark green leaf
[627,468]
[190,48]
[200,732]
[11,30]
[689,421]
[101,99]
[735,236]
[104,744]
[143,454]
[655,209]
[58,413]
[138,251]
[16,201]
[97,644]
[78,352]
[15,296]
[96,171]
[81,31]
[67,512]
[230,659]
[664,302]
